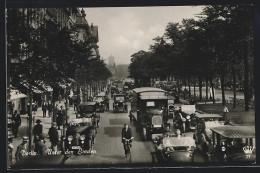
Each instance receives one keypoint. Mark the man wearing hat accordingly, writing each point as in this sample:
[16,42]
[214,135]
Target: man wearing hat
[54,136]
[40,146]
[22,149]
[37,130]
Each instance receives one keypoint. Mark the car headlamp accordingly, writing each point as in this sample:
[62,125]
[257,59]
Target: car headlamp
[223,148]
[82,137]
[187,117]
[70,137]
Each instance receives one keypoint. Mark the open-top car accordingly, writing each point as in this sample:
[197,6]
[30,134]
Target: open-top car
[185,118]
[233,144]
[100,100]
[175,149]
[119,103]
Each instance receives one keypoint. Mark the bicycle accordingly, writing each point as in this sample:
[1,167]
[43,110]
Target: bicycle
[128,148]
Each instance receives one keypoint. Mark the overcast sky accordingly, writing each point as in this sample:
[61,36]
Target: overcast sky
[124,31]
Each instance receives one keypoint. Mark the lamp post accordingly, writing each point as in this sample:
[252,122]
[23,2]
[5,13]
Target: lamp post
[30,109]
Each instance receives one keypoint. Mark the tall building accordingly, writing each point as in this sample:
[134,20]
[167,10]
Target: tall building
[36,17]
[111,61]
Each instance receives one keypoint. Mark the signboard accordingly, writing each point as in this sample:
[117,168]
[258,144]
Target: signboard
[149,103]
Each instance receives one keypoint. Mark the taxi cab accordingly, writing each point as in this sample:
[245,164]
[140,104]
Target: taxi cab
[233,144]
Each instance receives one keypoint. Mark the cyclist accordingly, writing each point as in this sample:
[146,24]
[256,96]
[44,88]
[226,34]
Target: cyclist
[126,135]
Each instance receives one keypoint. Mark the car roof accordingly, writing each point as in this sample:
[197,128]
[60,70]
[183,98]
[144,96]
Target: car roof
[88,104]
[208,116]
[178,142]
[230,131]
[147,89]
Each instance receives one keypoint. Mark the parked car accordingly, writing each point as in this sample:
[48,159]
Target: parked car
[232,144]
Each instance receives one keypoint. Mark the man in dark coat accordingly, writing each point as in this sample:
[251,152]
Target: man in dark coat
[60,118]
[54,136]
[16,118]
[50,110]
[22,149]
[37,130]
[44,108]
[40,146]
[126,134]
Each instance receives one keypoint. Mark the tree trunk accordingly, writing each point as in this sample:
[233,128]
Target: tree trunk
[234,85]
[246,76]
[194,89]
[200,88]
[30,117]
[207,87]
[184,93]
[212,90]
[223,89]
[178,87]
[189,87]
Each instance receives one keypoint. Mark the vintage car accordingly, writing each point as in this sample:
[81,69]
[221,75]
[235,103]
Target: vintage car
[100,99]
[86,109]
[126,91]
[149,107]
[207,121]
[232,144]
[174,149]
[119,103]
[114,89]
[185,118]
[79,136]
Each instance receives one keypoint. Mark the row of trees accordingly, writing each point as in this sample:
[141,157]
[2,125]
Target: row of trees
[217,46]
[49,54]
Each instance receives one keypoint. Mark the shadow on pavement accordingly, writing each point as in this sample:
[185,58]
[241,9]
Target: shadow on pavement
[113,131]
[116,157]
[118,122]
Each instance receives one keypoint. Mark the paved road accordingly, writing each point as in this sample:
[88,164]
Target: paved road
[108,146]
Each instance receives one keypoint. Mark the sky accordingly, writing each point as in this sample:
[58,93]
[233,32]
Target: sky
[124,31]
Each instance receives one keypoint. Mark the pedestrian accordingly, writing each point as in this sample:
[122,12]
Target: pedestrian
[50,110]
[22,149]
[35,105]
[40,147]
[37,130]
[60,118]
[54,136]
[96,119]
[10,152]
[44,108]
[225,115]
[59,98]
[75,104]
[16,118]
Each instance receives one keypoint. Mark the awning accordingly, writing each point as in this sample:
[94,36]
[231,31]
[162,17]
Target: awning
[235,131]
[16,94]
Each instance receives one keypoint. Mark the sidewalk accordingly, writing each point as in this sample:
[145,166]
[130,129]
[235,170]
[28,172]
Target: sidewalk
[46,122]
